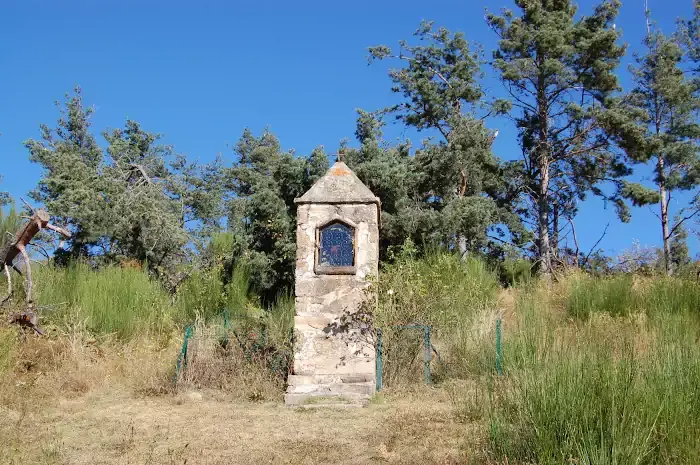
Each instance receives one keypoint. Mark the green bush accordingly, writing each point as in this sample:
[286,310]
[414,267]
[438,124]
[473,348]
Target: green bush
[207,293]
[238,292]
[441,291]
[279,321]
[201,295]
[515,271]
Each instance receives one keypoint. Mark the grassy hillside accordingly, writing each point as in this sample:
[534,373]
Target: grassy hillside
[595,370]
[600,371]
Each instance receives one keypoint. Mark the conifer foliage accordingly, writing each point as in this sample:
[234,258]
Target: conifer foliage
[125,195]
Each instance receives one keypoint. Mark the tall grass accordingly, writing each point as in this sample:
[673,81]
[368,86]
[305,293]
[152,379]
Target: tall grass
[666,296]
[111,300]
[608,295]
[126,301]
[610,390]
[620,295]
[10,222]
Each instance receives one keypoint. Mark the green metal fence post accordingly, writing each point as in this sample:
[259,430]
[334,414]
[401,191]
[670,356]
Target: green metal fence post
[182,359]
[426,354]
[379,362]
[499,370]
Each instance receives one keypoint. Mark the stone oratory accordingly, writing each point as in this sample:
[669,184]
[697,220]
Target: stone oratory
[337,255]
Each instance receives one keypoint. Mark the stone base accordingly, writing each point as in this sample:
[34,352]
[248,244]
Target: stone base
[326,406]
[329,390]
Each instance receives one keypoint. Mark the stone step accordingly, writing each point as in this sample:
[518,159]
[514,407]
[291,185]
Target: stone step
[330,406]
[320,398]
[366,389]
[332,378]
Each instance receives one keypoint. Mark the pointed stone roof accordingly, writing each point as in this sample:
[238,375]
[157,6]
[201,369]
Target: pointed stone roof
[338,185]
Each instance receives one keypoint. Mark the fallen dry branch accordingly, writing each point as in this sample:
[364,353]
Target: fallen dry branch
[26,319]
[38,221]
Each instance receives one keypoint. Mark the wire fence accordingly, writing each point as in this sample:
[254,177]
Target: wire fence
[398,361]
[402,351]
[249,342]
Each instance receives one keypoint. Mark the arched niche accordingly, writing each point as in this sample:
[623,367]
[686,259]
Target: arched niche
[336,248]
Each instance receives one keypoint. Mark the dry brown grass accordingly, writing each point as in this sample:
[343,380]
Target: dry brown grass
[66,365]
[68,399]
[216,361]
[114,427]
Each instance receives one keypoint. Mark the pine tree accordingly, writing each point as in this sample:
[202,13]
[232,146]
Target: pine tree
[71,186]
[4,196]
[147,203]
[559,71]
[136,200]
[458,196]
[263,182]
[688,36]
[664,106]
[390,173]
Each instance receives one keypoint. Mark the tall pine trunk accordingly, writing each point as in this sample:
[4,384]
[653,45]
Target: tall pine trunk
[664,216]
[461,238]
[543,163]
[462,243]
[554,243]
[544,247]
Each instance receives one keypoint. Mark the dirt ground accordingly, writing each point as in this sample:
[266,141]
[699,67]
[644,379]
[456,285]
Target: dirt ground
[115,427]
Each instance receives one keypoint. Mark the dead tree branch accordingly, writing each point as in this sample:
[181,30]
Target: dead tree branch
[27,319]
[9,284]
[573,229]
[18,246]
[590,252]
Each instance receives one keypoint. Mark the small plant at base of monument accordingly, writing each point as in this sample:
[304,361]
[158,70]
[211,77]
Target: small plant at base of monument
[263,344]
[354,328]
[325,400]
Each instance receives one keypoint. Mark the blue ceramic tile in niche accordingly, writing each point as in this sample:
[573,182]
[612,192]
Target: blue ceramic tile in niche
[337,247]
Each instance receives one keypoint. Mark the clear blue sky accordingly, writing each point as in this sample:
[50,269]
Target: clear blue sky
[201,71]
